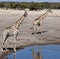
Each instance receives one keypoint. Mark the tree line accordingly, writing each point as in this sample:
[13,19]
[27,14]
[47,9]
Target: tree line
[29,5]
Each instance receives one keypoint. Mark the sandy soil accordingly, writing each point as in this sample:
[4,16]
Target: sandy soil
[51,26]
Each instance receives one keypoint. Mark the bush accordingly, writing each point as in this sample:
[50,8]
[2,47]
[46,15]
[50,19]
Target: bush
[30,5]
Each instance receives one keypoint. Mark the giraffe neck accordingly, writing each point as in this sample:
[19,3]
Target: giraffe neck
[44,15]
[18,22]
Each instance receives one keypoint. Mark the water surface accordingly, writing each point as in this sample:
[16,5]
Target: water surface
[48,52]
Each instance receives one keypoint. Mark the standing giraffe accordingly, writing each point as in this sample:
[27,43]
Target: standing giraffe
[13,29]
[38,21]
[37,55]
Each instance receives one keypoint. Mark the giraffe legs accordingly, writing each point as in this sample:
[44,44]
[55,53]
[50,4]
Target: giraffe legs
[36,27]
[34,30]
[15,37]
[41,28]
[5,38]
[15,42]
[5,35]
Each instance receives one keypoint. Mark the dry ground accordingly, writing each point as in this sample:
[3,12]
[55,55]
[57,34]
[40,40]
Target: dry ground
[51,27]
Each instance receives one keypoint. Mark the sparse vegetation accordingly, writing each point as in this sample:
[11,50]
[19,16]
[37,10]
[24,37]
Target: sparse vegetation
[29,5]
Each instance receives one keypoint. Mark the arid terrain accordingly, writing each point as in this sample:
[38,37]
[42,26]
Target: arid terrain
[51,27]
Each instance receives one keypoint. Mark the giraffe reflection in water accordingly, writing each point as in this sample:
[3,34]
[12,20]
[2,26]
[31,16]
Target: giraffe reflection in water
[37,55]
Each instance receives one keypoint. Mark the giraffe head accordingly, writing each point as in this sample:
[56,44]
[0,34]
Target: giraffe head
[49,10]
[25,14]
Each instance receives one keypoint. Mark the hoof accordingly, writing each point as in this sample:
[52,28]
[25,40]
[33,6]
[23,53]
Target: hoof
[3,49]
[39,32]
[14,50]
[32,33]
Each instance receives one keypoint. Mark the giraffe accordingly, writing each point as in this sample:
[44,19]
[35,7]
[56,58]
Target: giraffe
[13,29]
[37,55]
[38,21]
